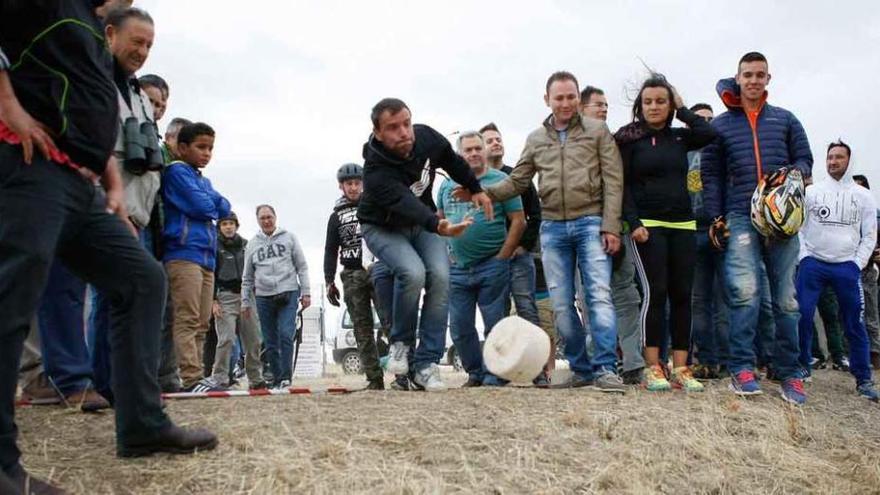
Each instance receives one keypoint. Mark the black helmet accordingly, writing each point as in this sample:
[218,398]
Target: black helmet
[350,171]
[232,216]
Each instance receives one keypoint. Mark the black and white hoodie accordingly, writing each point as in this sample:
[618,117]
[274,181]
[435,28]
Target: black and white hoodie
[343,239]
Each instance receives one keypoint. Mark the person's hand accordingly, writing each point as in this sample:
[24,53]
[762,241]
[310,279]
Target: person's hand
[333,294]
[776,178]
[461,194]
[876,255]
[447,229]
[216,310]
[611,243]
[676,99]
[519,251]
[115,194]
[481,200]
[306,301]
[640,235]
[30,131]
[246,312]
[719,233]
[503,256]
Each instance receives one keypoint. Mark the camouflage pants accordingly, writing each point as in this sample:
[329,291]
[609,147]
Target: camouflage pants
[358,293]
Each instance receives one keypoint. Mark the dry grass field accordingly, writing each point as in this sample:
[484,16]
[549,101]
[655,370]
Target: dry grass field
[497,441]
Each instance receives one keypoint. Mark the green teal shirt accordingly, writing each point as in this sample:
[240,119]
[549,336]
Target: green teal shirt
[483,239]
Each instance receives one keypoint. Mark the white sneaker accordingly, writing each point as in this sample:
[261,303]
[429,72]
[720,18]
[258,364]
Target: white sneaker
[429,379]
[397,361]
[282,385]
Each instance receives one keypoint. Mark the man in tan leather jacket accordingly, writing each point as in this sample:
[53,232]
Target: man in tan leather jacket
[580,182]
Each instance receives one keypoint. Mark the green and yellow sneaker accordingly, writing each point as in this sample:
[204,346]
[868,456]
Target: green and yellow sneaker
[682,378]
[655,380]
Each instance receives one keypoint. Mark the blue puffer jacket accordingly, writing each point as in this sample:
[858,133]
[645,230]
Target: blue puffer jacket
[192,207]
[742,152]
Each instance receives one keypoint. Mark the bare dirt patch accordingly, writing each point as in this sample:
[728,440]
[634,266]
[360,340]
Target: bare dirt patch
[497,441]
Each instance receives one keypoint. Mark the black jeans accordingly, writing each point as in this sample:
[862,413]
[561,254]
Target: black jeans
[48,210]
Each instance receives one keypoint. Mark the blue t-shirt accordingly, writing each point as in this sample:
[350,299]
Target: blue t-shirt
[482,239]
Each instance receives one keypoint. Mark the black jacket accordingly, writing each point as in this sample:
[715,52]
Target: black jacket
[532,209]
[655,167]
[230,264]
[343,231]
[64,79]
[398,191]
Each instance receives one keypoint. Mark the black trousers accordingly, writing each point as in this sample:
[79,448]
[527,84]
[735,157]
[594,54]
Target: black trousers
[48,210]
[666,268]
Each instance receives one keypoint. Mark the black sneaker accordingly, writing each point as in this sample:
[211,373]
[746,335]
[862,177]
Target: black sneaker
[542,380]
[401,383]
[840,364]
[772,376]
[376,384]
[472,383]
[205,385]
[576,381]
[258,386]
[413,385]
[17,480]
[632,377]
[705,371]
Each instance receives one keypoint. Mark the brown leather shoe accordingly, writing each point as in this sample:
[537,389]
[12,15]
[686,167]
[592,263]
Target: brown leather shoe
[87,400]
[173,440]
[40,392]
[28,485]
[875,360]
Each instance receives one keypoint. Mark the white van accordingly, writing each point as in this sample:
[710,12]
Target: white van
[346,355]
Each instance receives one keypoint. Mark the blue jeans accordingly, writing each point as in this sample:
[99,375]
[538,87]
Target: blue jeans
[577,244]
[487,285]
[62,340]
[742,272]
[98,340]
[709,302]
[846,280]
[278,324]
[522,287]
[765,340]
[419,261]
[383,286]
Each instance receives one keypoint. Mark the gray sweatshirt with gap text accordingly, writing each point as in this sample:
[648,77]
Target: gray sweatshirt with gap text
[273,264]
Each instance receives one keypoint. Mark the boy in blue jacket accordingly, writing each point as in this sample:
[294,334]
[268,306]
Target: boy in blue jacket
[192,207]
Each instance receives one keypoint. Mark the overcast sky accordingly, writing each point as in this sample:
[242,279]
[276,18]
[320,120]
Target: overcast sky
[289,85]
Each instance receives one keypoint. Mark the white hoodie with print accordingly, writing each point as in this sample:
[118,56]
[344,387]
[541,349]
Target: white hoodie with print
[841,222]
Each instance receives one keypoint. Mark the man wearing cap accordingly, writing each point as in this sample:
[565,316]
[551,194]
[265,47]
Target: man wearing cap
[227,308]
[344,240]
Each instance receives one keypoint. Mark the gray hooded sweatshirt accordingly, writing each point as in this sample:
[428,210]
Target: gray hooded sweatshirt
[273,264]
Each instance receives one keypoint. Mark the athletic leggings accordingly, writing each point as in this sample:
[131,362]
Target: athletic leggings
[665,264]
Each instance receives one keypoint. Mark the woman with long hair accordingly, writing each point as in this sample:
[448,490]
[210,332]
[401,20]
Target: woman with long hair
[657,207]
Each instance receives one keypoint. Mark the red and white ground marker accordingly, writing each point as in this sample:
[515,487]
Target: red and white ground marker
[233,393]
[257,393]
